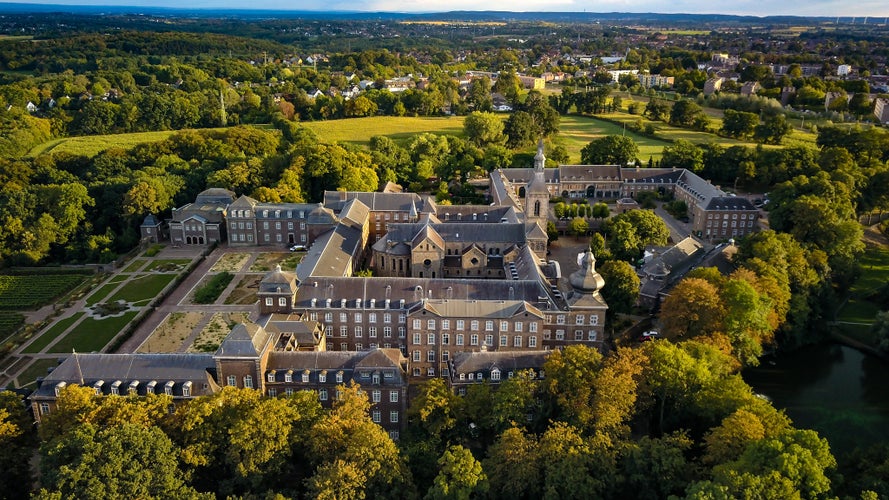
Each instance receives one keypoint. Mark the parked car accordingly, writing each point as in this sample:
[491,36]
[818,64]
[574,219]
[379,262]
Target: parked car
[298,248]
[649,336]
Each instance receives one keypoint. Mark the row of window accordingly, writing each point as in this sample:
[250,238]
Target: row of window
[301,214]
[371,317]
[734,216]
[591,335]
[518,326]
[474,325]
[517,340]
[578,320]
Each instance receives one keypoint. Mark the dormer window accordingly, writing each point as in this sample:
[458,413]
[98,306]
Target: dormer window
[270,377]
[149,387]
[59,387]
[115,388]
[288,377]
[186,390]
[97,387]
[495,374]
[322,377]
[134,387]
[168,388]
[339,377]
[305,377]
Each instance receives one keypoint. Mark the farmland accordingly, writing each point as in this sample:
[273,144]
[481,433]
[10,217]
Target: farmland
[31,292]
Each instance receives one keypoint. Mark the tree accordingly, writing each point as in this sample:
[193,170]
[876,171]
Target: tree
[881,330]
[578,226]
[513,466]
[552,233]
[609,150]
[683,154]
[656,468]
[520,129]
[125,461]
[773,129]
[484,129]
[657,110]
[621,288]
[685,113]
[360,106]
[16,441]
[460,476]
[623,242]
[600,211]
[739,123]
[569,382]
[693,308]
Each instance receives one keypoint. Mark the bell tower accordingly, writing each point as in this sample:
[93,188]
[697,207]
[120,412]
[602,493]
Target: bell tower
[536,192]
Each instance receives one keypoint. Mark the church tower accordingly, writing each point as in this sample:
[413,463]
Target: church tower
[536,193]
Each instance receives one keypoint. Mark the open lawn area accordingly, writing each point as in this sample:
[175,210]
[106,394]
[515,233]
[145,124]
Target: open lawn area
[874,274]
[92,145]
[100,294]
[143,288]
[93,334]
[49,335]
[576,131]
[37,369]
[400,129]
[135,266]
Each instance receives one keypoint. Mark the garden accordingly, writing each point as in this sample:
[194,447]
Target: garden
[25,292]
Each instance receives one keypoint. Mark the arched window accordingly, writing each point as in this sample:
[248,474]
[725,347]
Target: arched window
[537,208]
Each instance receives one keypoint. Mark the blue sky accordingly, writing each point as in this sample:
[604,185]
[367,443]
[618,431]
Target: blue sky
[876,9]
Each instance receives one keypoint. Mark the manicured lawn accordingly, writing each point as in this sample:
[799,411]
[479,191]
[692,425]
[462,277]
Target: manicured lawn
[401,129]
[93,334]
[143,287]
[37,369]
[48,336]
[576,131]
[135,265]
[100,294]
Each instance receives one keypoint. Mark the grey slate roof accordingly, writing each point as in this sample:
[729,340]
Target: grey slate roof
[378,202]
[331,253]
[413,290]
[505,361]
[278,281]
[245,340]
[150,221]
[482,309]
[466,232]
[730,203]
[179,368]
[215,196]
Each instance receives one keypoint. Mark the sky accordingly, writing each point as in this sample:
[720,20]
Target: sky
[878,10]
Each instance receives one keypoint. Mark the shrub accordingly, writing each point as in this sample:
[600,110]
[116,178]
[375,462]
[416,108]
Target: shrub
[209,292]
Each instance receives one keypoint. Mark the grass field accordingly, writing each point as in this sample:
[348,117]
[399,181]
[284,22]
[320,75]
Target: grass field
[92,145]
[48,336]
[100,294]
[37,369]
[92,334]
[874,274]
[135,265]
[400,129]
[575,132]
[143,288]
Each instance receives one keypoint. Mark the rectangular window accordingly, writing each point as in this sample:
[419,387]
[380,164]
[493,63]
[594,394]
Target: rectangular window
[387,318]
[473,340]
[328,316]
[273,393]
[402,318]
[591,336]
[339,378]
[393,396]
[459,339]
[372,332]
[376,416]
[504,341]
[372,317]
[358,331]
[417,324]
[445,356]
[445,324]
[578,334]
[387,332]
[270,377]
[532,327]
[518,326]
[430,356]
[282,301]
[430,372]
[430,339]
[532,341]
[376,396]
[322,377]
[489,340]
[445,339]
[560,319]
[305,378]
[322,394]
[430,324]
[517,341]
[248,382]
[489,326]
[393,416]
[401,332]
[231,380]
[560,334]
[579,319]
[358,317]
[460,324]
[344,331]
[416,339]
[344,317]
[415,355]
[269,301]
[504,326]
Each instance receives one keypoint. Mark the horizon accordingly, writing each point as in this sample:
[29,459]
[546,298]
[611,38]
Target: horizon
[877,10]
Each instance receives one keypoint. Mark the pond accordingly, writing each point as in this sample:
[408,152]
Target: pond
[836,390]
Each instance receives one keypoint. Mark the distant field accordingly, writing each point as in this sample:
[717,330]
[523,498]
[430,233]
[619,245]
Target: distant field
[398,128]
[95,144]
[575,132]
